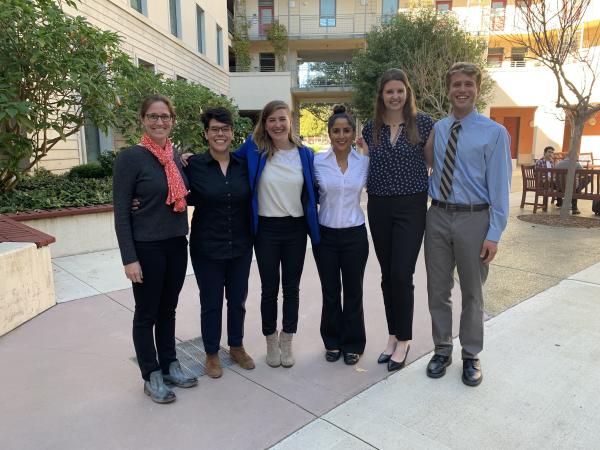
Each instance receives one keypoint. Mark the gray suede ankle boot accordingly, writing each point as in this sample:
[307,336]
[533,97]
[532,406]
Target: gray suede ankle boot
[273,351]
[285,343]
[157,389]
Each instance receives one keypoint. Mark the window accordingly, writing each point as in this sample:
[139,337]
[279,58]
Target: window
[327,13]
[219,45]
[200,28]
[517,56]
[145,65]
[443,5]
[495,57]
[180,78]
[267,62]
[497,13]
[175,17]
[95,141]
[389,8]
[140,6]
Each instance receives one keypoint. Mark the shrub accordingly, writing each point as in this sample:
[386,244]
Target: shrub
[90,170]
[45,190]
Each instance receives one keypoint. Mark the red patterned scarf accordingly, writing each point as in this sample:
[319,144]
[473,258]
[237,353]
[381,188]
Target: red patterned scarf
[177,189]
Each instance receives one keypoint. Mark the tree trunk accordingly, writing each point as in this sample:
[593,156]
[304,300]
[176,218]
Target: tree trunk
[574,143]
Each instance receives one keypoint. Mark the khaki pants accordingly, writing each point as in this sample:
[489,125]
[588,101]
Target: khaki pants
[454,239]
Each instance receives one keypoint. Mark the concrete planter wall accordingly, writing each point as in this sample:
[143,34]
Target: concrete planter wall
[77,230]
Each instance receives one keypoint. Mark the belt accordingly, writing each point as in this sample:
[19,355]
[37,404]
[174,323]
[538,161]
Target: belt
[459,208]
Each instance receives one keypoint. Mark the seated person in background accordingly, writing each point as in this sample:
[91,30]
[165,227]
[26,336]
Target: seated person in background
[546,161]
[580,183]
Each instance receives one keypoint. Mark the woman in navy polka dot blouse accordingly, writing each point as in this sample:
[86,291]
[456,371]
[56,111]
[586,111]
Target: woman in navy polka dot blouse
[397,188]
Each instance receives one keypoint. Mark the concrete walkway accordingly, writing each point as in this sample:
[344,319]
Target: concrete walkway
[69,381]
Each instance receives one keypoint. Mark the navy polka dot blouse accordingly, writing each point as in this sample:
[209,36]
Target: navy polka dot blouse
[397,169]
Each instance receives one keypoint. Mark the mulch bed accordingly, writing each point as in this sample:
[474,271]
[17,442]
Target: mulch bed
[554,220]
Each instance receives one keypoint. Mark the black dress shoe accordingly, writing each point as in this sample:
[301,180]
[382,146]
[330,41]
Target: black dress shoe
[395,365]
[332,355]
[383,358]
[351,358]
[437,366]
[471,375]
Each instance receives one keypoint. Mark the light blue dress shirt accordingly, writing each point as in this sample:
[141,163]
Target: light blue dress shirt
[483,169]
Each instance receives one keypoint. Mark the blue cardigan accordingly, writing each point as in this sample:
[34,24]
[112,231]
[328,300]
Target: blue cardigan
[256,163]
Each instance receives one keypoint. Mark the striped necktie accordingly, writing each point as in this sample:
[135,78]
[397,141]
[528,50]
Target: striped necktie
[449,162]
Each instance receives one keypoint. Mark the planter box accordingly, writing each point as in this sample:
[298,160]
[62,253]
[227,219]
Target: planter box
[77,230]
[27,285]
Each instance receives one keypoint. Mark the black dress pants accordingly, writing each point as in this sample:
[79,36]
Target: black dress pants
[216,277]
[280,245]
[344,252]
[397,226]
[163,267]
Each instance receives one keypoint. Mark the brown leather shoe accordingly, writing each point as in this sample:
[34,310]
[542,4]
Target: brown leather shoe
[239,355]
[213,366]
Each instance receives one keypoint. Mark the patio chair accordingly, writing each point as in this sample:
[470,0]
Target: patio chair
[529,185]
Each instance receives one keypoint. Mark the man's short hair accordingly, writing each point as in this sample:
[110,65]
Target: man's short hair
[469,69]
[548,148]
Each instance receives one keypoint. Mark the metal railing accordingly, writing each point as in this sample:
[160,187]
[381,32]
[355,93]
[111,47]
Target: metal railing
[316,27]
[309,76]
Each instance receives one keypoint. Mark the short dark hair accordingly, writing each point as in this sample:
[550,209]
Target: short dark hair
[547,148]
[218,113]
[339,112]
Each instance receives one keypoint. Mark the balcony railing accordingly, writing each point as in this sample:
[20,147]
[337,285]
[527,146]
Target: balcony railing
[318,27]
[325,76]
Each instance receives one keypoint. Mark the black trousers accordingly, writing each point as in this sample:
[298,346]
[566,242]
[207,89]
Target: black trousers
[163,267]
[344,252]
[216,277]
[280,245]
[397,226]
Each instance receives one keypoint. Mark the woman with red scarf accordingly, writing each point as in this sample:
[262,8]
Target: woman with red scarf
[153,244]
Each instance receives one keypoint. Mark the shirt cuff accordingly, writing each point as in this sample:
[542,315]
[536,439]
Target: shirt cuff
[493,235]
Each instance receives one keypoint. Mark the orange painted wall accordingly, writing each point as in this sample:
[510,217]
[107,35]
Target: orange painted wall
[525,144]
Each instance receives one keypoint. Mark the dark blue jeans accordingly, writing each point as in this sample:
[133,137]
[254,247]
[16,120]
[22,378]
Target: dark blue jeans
[163,267]
[216,277]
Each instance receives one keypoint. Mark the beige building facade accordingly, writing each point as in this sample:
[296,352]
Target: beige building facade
[191,39]
[186,39]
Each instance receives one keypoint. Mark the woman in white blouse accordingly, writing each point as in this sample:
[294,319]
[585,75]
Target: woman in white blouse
[341,256]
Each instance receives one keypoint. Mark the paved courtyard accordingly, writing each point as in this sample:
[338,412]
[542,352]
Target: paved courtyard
[69,381]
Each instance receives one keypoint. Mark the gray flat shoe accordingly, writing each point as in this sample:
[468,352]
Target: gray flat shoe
[157,389]
[178,378]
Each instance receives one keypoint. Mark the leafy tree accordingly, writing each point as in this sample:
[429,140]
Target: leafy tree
[311,125]
[189,99]
[327,73]
[424,44]
[56,72]
[551,35]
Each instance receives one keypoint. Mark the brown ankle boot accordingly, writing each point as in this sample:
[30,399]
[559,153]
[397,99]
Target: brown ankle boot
[239,355]
[213,366]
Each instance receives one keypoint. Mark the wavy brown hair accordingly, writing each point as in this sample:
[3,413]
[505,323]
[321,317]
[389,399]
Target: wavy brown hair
[260,135]
[409,110]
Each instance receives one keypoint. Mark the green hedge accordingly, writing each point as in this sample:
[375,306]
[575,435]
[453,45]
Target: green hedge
[47,191]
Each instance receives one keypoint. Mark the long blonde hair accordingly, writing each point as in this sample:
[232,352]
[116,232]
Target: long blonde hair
[261,136]
[409,110]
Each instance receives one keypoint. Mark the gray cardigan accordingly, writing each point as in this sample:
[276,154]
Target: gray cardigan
[137,173]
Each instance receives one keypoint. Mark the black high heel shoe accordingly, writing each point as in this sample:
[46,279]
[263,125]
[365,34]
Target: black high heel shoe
[383,358]
[394,365]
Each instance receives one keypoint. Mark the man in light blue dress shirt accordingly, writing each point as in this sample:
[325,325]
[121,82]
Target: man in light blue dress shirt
[469,188]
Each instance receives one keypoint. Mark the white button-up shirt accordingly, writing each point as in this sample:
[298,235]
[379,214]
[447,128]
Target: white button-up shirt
[339,193]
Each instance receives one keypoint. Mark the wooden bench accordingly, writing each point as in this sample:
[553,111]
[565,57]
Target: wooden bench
[552,182]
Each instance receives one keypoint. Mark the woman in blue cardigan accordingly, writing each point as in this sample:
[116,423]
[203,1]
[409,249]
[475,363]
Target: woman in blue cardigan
[284,210]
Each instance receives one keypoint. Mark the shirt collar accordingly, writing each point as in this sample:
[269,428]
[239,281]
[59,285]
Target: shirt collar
[468,119]
[207,158]
[330,154]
